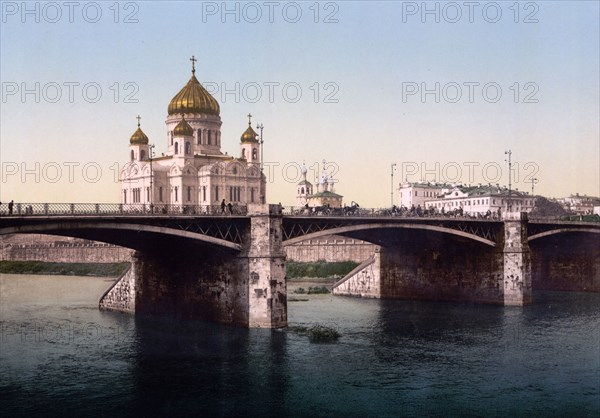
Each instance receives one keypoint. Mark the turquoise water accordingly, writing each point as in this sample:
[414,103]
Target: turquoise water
[61,356]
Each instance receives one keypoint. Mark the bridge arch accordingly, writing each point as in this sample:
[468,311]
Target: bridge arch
[364,227]
[61,228]
[562,231]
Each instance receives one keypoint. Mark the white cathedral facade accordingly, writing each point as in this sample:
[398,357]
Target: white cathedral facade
[193,172]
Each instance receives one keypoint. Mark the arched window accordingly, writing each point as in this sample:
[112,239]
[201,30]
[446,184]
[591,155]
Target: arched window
[125,195]
[176,193]
[188,148]
[160,196]
[132,155]
[302,190]
[204,193]
[244,153]
[209,138]
[176,147]
[171,138]
[199,136]
[189,193]
[142,155]
[254,154]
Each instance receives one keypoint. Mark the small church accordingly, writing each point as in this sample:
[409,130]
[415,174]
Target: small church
[324,195]
[193,171]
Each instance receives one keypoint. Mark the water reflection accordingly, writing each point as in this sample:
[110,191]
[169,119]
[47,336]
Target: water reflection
[198,366]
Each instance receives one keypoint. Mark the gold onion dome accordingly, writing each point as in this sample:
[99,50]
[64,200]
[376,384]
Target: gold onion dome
[193,98]
[249,135]
[138,137]
[183,128]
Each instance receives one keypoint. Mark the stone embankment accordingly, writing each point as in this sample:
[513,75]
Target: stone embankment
[49,248]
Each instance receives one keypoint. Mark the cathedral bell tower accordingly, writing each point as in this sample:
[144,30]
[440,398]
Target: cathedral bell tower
[250,145]
[138,144]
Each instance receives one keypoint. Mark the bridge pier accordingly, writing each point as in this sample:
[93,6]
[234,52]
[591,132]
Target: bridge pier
[516,257]
[244,288]
[267,292]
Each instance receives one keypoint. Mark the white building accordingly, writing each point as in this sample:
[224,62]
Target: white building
[481,200]
[193,171]
[416,194]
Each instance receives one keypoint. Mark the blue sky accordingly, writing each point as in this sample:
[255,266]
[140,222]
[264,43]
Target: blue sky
[355,65]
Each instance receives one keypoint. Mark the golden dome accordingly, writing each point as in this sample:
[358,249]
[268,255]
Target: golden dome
[249,135]
[183,128]
[193,98]
[138,137]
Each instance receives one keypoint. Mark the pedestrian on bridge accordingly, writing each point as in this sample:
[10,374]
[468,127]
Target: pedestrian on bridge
[223,206]
[10,207]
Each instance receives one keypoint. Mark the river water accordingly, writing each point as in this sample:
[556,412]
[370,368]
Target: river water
[61,356]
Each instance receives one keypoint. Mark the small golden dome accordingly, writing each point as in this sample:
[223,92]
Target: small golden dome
[249,135]
[193,98]
[138,137]
[183,128]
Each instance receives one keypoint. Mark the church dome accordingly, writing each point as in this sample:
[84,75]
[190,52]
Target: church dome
[249,134]
[138,137]
[193,98]
[183,128]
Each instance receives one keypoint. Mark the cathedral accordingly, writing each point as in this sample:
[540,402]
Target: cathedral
[193,171]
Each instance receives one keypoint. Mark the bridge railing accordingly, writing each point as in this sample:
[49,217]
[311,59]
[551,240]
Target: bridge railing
[117,209]
[383,212]
[423,213]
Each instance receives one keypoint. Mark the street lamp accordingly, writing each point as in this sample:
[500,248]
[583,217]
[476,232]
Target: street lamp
[533,182]
[260,127]
[150,157]
[392,185]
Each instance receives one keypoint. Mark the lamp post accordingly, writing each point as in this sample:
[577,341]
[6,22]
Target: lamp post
[509,153]
[533,182]
[392,185]
[150,157]
[260,127]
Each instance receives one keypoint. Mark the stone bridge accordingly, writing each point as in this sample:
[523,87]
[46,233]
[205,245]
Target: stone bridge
[230,267]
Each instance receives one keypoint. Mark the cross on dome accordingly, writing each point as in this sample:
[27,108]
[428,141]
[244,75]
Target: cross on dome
[138,117]
[193,59]
[249,119]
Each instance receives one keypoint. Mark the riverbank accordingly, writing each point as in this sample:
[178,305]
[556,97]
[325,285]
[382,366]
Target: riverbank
[63,269]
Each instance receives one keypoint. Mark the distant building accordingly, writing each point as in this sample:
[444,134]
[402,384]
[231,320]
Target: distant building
[478,200]
[324,196]
[470,199]
[580,204]
[416,194]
